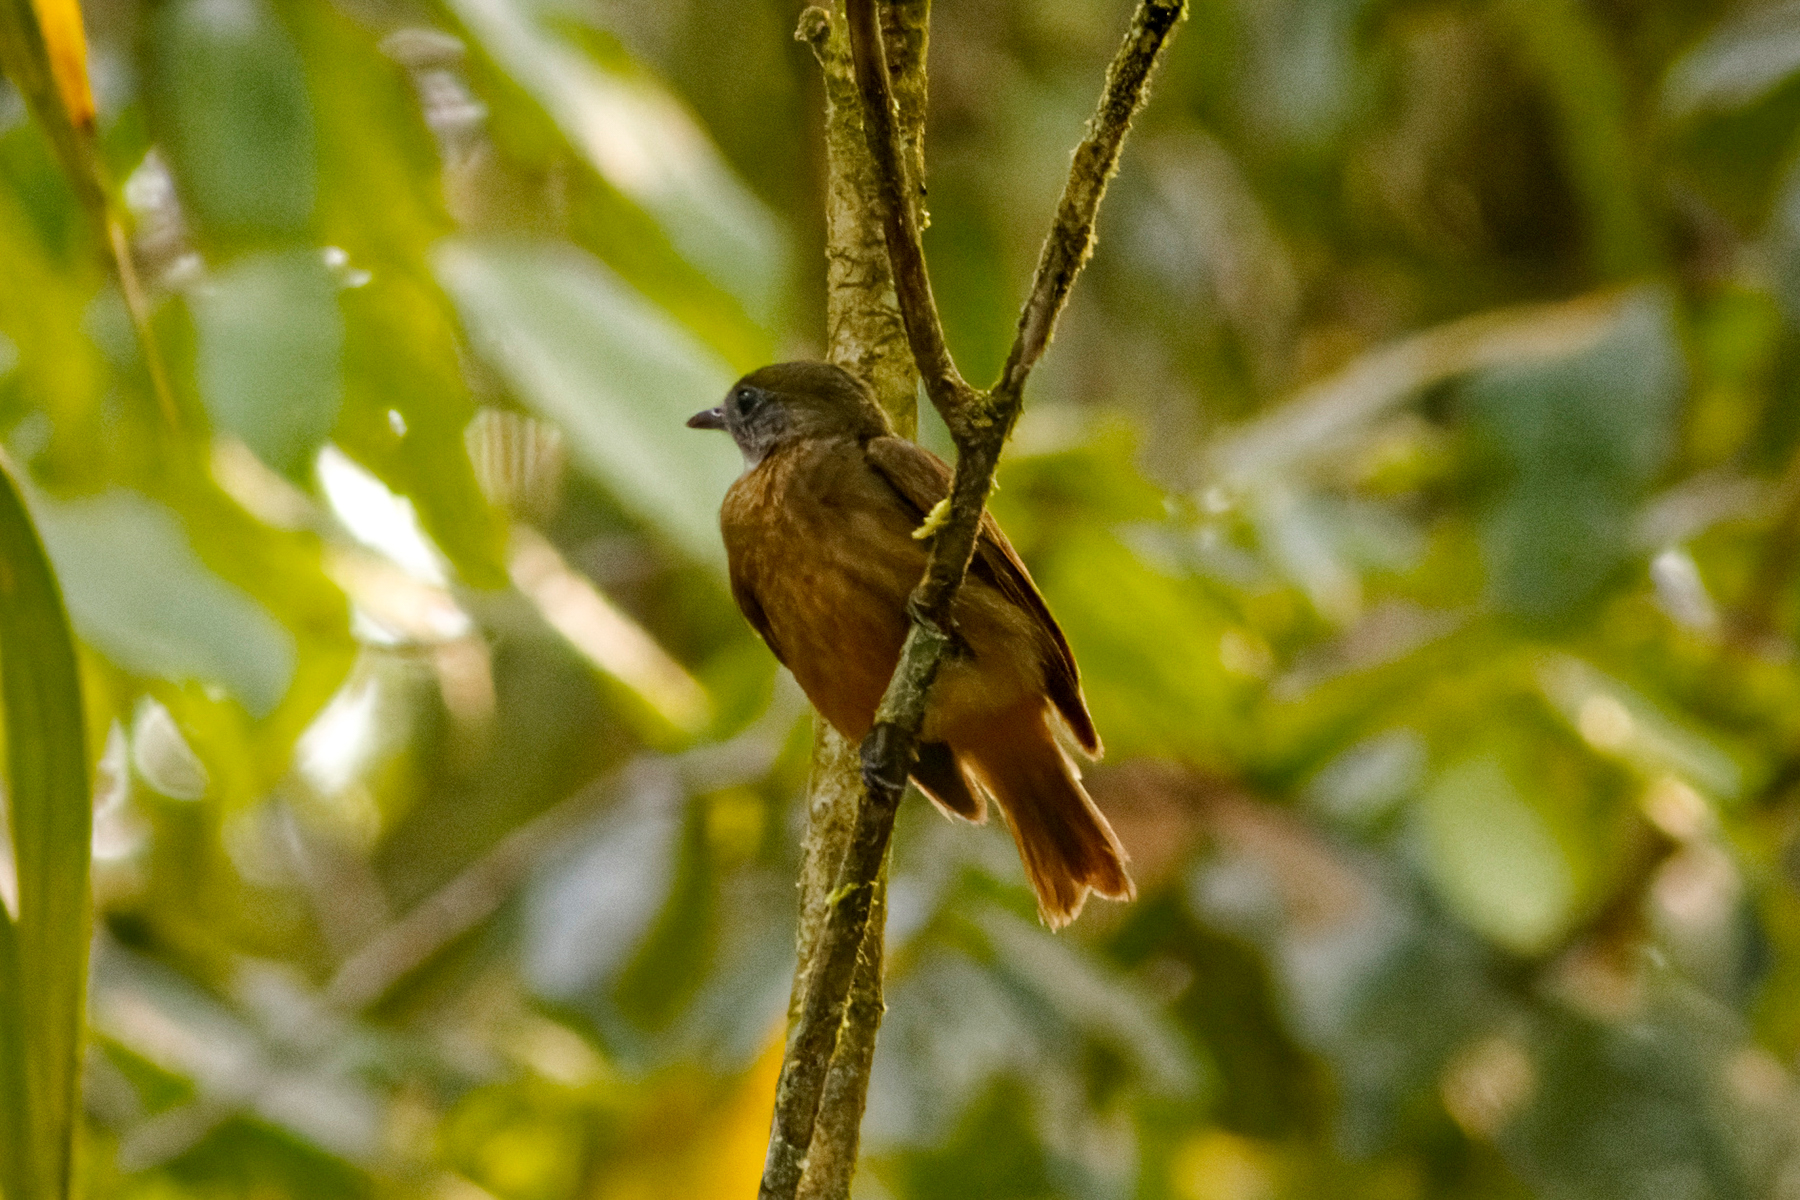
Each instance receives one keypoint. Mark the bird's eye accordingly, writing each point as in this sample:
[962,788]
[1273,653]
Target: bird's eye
[747,399]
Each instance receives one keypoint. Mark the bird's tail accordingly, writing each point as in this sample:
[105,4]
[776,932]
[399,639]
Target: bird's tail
[1067,845]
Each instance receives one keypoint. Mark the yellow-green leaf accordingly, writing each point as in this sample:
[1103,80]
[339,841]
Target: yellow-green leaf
[46,943]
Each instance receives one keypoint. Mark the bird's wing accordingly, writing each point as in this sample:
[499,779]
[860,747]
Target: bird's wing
[922,479]
[752,609]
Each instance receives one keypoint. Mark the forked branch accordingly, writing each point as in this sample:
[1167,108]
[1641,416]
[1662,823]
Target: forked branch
[979,423]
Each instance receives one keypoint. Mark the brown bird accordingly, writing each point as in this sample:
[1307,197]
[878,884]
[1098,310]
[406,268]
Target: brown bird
[820,534]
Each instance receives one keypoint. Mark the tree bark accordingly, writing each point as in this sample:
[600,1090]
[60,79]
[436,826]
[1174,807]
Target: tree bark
[864,335]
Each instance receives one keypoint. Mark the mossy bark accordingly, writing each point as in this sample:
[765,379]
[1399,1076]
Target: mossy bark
[865,335]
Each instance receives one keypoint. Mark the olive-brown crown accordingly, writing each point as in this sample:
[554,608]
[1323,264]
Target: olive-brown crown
[791,401]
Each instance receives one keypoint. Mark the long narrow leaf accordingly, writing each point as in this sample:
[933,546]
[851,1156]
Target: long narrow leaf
[48,65]
[17,1164]
[43,956]
[43,49]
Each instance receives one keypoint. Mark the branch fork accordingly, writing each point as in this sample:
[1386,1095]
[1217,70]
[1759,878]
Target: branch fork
[979,424]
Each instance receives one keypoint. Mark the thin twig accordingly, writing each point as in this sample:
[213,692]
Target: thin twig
[979,425]
[1071,240]
[138,305]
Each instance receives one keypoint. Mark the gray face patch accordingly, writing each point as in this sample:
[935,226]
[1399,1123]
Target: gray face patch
[757,421]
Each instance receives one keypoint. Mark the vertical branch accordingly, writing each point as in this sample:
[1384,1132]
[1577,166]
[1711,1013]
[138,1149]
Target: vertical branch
[833,794]
[864,334]
[906,40]
[863,331]
[828,974]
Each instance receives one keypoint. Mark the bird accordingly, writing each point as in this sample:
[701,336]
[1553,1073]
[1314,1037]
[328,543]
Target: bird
[825,540]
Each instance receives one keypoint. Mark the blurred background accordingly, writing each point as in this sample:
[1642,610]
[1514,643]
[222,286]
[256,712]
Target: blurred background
[1417,477]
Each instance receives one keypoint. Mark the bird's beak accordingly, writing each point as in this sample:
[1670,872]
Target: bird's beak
[712,418]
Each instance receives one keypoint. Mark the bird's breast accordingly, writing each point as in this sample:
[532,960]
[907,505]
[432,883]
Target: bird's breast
[824,546]
[827,552]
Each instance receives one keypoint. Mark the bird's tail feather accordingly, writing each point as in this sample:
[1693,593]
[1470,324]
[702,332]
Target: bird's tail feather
[941,777]
[1066,844]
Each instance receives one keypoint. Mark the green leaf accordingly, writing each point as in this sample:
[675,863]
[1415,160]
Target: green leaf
[378,163]
[1148,643]
[142,596]
[18,1166]
[406,407]
[270,355]
[1784,245]
[1305,68]
[621,929]
[589,911]
[643,142]
[1633,1108]
[617,374]
[405,401]
[1493,857]
[1348,946]
[57,371]
[1582,438]
[41,1025]
[231,97]
[1738,64]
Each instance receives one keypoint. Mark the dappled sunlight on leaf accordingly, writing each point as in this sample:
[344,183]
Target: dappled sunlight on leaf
[612,641]
[270,355]
[618,376]
[639,138]
[139,592]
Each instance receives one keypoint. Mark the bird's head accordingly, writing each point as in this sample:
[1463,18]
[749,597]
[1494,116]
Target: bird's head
[792,401]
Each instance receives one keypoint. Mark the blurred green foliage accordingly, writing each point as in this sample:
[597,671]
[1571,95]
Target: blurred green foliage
[1417,476]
